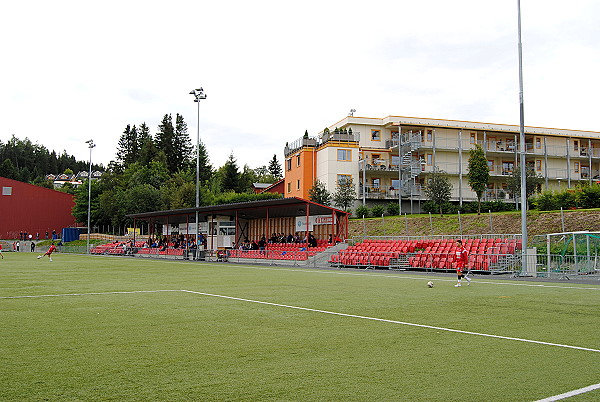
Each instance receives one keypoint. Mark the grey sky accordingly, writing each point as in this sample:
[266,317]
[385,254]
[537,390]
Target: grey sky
[75,70]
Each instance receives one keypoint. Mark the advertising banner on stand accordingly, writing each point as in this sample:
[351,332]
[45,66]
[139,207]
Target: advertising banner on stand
[312,221]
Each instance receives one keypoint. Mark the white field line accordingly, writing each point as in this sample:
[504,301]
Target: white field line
[570,393]
[86,294]
[313,310]
[396,322]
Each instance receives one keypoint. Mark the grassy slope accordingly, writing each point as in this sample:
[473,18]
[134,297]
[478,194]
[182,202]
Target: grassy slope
[472,224]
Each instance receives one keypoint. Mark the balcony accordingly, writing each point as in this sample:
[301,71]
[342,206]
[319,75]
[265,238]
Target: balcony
[389,192]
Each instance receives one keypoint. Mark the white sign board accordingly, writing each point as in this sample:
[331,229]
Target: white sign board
[312,221]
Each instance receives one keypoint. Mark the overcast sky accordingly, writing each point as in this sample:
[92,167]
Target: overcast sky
[78,70]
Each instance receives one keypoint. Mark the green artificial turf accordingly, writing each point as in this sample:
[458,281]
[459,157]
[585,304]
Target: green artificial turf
[167,344]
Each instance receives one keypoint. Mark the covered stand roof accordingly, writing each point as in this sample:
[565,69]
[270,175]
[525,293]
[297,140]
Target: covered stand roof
[284,207]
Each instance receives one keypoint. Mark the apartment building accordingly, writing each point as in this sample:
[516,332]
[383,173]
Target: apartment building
[389,158]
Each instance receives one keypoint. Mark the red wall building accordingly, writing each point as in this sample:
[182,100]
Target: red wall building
[32,209]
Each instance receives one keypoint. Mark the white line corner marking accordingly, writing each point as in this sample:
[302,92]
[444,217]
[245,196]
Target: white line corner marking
[395,322]
[570,393]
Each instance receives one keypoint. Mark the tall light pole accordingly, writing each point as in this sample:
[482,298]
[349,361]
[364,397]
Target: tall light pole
[90,145]
[523,150]
[198,96]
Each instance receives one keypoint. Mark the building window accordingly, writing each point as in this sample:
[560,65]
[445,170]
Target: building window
[288,164]
[538,143]
[376,183]
[507,168]
[298,160]
[576,167]
[395,160]
[6,191]
[538,165]
[298,184]
[575,145]
[343,178]
[429,159]
[472,138]
[289,187]
[395,184]
[344,155]
[429,135]
[376,135]
[491,165]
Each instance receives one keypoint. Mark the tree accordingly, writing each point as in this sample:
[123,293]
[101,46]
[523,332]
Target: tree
[438,188]
[275,168]
[230,174]
[174,142]
[206,169]
[533,182]
[319,194]
[344,194]
[128,147]
[146,145]
[479,173]
[183,144]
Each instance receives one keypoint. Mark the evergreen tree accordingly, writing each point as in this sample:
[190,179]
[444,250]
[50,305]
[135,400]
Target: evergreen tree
[183,144]
[129,146]
[230,175]
[206,169]
[275,168]
[146,145]
[319,194]
[438,188]
[165,142]
[479,173]
[345,194]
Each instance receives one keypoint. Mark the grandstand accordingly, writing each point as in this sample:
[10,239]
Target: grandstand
[485,254]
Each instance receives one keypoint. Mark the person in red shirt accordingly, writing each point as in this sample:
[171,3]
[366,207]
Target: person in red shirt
[48,253]
[460,258]
[1,252]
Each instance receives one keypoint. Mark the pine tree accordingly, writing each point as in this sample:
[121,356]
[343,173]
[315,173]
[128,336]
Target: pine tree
[165,142]
[275,168]
[183,144]
[479,173]
[128,146]
[230,174]
[145,145]
[206,169]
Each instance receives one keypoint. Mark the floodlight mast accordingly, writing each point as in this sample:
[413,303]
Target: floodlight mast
[198,96]
[90,145]
[522,160]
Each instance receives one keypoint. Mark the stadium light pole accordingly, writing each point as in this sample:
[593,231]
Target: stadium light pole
[198,96]
[90,145]
[522,143]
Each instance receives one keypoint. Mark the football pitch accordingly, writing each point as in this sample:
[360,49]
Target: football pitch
[118,328]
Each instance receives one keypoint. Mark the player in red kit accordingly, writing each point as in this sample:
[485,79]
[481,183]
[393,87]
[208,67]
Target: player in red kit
[48,253]
[460,258]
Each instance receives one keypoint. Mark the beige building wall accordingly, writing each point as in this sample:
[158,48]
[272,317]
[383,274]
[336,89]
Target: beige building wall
[563,157]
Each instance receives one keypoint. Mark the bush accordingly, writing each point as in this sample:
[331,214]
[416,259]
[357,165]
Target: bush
[377,210]
[590,196]
[393,208]
[362,210]
[546,201]
[567,199]
[447,208]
